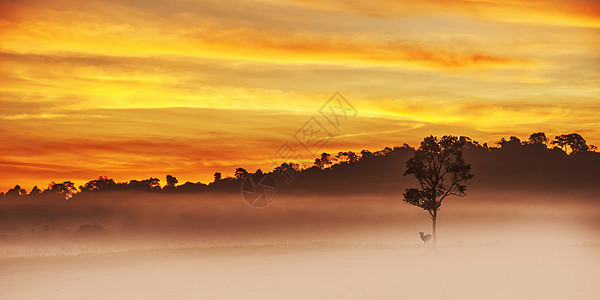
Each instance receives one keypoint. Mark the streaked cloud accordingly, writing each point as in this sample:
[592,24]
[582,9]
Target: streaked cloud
[563,12]
[138,88]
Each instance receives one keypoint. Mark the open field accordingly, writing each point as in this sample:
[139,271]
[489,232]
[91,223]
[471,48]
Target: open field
[505,246]
[311,272]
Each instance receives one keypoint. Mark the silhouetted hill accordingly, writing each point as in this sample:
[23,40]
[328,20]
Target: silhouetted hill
[524,167]
[513,165]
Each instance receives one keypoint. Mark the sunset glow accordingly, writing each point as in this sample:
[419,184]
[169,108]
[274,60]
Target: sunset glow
[134,89]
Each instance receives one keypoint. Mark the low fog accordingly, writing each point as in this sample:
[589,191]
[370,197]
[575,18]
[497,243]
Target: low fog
[149,246]
[115,222]
[152,246]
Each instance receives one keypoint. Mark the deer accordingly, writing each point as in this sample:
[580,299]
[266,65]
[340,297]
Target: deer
[425,237]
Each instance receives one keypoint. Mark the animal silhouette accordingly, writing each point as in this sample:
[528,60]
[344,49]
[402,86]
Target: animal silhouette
[425,237]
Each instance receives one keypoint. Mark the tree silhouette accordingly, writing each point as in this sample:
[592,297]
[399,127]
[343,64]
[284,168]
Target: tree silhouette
[326,160]
[64,190]
[103,183]
[217,176]
[538,138]
[346,157]
[512,143]
[575,142]
[365,154]
[16,191]
[35,191]
[240,173]
[441,171]
[288,171]
[150,184]
[171,181]
[318,163]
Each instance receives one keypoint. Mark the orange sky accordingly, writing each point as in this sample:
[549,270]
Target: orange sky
[133,89]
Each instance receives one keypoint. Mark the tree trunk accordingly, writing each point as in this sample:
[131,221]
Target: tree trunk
[434,232]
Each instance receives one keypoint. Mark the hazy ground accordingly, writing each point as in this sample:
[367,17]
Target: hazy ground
[505,246]
[311,273]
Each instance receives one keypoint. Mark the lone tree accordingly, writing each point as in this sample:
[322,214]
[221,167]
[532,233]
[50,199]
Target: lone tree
[441,171]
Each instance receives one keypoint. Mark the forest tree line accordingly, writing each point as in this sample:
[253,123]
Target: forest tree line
[566,153]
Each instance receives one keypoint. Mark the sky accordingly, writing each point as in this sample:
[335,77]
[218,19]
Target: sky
[133,89]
